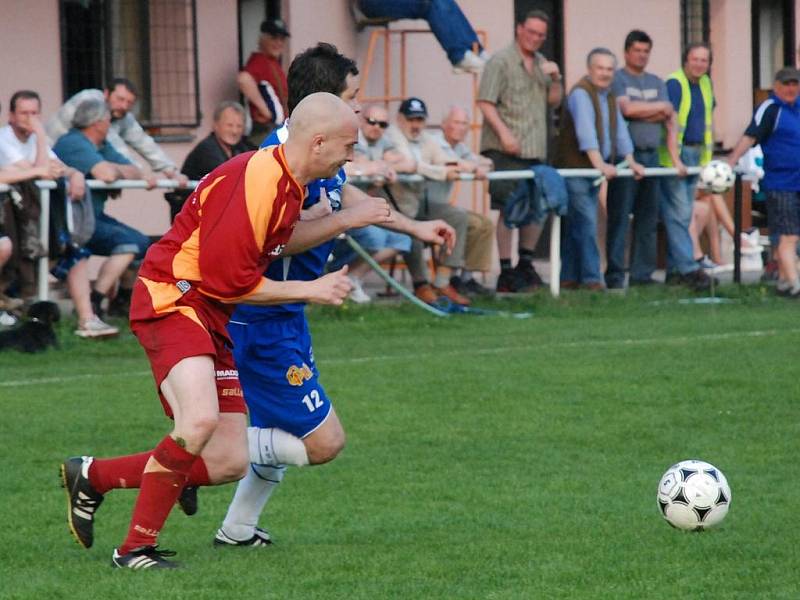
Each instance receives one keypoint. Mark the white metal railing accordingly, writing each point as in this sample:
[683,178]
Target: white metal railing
[167,184]
[555,225]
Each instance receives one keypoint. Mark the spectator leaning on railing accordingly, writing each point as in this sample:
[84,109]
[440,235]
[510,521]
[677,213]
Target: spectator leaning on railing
[23,145]
[480,229]
[643,100]
[411,140]
[593,135]
[86,148]
[126,135]
[689,89]
[373,156]
[776,127]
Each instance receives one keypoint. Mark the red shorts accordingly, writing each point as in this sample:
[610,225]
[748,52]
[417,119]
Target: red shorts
[172,326]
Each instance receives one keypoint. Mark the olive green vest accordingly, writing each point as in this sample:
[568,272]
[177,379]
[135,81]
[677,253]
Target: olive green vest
[568,154]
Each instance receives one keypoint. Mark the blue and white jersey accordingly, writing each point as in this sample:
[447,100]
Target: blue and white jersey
[301,267]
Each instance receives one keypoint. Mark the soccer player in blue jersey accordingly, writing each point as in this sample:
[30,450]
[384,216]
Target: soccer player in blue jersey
[292,419]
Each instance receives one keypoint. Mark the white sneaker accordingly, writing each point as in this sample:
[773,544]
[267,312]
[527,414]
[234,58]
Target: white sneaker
[750,243]
[95,328]
[357,294]
[471,63]
[7,319]
[706,263]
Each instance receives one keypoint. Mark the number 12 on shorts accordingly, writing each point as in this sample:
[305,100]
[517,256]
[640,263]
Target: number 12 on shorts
[312,400]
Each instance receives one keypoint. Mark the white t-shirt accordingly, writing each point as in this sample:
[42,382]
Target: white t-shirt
[12,150]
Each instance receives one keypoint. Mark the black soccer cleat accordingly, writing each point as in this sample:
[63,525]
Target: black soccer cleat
[260,538]
[146,557]
[82,499]
[187,501]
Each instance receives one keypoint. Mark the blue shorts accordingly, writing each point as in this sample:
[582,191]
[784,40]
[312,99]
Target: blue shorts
[278,375]
[112,237]
[372,238]
[783,212]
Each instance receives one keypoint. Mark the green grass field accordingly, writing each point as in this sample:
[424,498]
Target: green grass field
[487,457]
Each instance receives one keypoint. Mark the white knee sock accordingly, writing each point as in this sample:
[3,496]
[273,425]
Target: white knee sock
[275,447]
[252,494]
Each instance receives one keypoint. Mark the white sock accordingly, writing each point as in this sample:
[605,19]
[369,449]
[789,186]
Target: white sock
[442,280]
[252,494]
[273,446]
[466,275]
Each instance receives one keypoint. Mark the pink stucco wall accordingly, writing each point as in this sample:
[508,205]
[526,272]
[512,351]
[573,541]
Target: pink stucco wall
[31,51]
[589,24]
[731,71]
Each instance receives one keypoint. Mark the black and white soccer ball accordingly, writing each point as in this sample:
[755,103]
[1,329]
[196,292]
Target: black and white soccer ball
[693,495]
[717,177]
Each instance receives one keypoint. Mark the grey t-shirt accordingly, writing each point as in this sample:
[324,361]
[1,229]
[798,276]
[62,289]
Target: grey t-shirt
[373,150]
[641,88]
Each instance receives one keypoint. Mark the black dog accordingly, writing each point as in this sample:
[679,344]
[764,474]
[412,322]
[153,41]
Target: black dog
[35,334]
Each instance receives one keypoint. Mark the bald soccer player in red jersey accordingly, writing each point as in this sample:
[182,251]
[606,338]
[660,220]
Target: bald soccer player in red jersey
[238,220]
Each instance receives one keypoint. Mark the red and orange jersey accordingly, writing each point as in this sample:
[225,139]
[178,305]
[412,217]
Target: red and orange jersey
[233,225]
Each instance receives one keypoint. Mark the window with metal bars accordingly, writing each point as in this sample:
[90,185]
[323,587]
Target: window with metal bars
[151,42]
[694,22]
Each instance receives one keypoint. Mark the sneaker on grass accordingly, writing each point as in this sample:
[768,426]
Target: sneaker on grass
[146,557]
[82,499]
[95,328]
[260,538]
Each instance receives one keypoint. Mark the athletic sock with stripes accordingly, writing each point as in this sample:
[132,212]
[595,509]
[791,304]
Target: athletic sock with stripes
[157,495]
[252,494]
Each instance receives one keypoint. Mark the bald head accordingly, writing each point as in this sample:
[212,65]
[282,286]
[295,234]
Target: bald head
[322,132]
[455,125]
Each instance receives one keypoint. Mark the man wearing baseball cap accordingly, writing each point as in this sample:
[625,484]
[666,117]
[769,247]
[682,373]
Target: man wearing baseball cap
[776,127]
[412,199]
[263,81]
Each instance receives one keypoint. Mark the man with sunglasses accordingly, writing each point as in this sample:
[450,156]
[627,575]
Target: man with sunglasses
[375,158]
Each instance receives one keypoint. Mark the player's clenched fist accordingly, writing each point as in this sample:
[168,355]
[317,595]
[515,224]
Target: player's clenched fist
[331,288]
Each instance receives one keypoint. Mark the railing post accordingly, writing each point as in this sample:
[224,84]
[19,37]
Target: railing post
[737,229]
[555,256]
[44,240]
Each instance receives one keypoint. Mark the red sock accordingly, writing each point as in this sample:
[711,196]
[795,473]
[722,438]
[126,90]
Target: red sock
[157,495]
[106,474]
[199,473]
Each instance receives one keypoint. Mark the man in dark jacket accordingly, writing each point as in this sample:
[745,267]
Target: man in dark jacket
[225,141]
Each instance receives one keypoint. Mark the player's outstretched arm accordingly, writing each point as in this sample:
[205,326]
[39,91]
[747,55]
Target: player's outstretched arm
[433,232]
[308,234]
[328,289]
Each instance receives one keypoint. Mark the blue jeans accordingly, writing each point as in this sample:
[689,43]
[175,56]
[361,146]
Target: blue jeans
[444,17]
[625,194]
[112,237]
[677,200]
[580,260]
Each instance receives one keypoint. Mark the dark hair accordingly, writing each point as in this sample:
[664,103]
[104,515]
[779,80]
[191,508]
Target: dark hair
[694,46]
[637,35]
[126,83]
[23,95]
[533,14]
[318,69]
